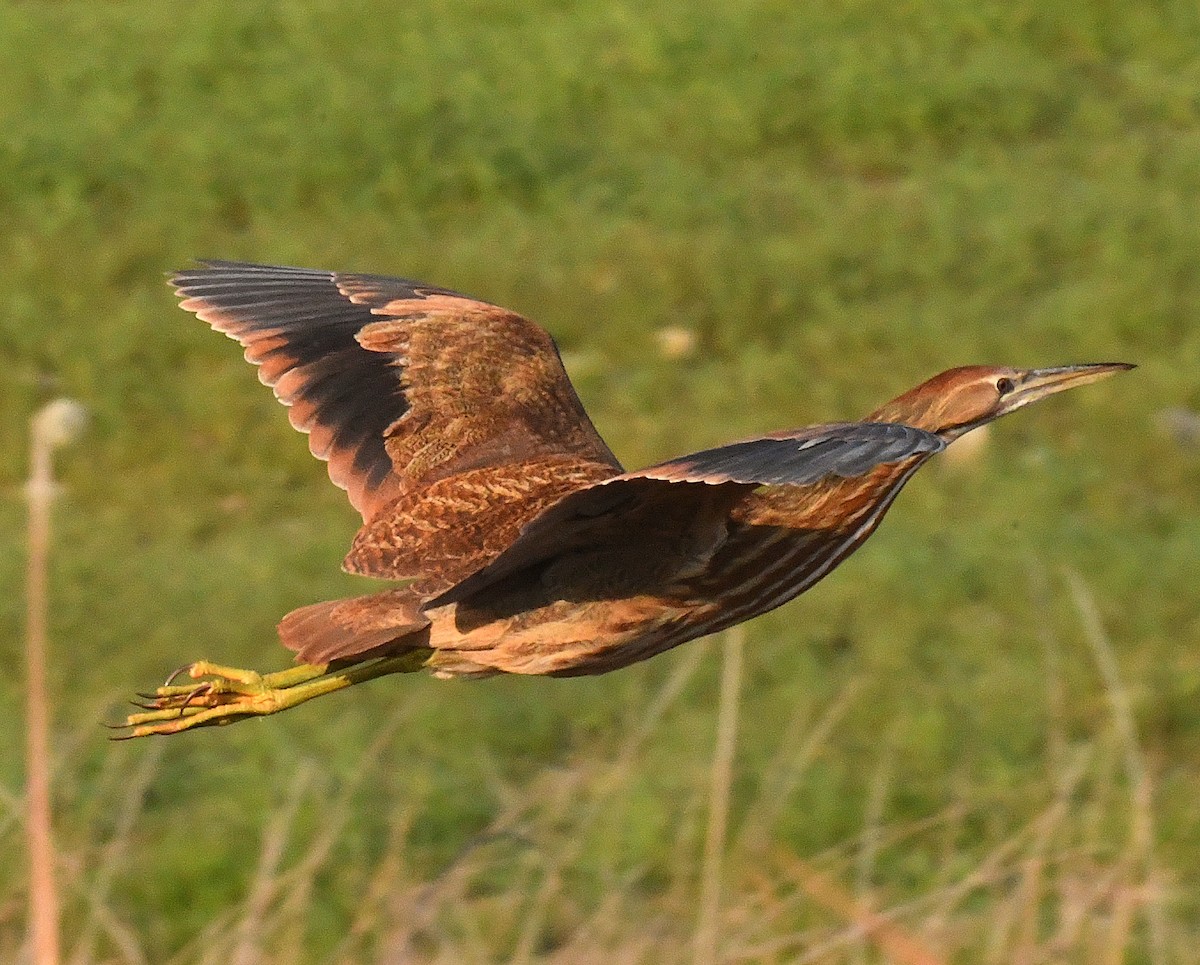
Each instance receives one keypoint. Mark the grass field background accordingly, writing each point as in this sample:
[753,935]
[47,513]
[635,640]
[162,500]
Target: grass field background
[836,201]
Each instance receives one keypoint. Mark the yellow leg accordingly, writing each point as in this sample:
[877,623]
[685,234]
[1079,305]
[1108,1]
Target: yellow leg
[234,680]
[230,694]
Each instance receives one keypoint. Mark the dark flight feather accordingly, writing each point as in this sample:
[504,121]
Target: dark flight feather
[799,458]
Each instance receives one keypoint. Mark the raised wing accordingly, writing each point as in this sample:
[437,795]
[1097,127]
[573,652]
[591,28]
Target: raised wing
[397,384]
[610,510]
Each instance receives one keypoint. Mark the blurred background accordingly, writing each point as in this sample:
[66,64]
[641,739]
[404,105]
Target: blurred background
[976,741]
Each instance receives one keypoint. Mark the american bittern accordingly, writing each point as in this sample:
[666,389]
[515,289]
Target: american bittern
[482,483]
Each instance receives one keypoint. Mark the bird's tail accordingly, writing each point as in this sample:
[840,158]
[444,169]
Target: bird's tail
[354,627]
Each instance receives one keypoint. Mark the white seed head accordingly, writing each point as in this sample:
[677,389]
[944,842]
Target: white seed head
[61,422]
[676,342]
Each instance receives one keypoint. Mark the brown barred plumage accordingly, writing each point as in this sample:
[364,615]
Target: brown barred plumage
[481,481]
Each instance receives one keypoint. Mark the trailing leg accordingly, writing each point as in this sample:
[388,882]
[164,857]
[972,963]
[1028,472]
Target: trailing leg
[222,695]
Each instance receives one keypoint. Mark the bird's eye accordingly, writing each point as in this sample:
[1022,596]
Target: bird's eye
[1004,386]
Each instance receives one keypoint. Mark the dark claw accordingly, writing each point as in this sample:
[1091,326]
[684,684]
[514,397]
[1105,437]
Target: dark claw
[175,673]
[122,732]
[196,692]
[138,703]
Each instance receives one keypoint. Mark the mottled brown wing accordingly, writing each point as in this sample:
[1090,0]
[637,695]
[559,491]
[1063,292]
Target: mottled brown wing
[398,384]
[454,527]
[602,512]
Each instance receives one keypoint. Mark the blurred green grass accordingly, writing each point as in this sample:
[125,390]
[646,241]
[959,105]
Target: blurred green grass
[838,200]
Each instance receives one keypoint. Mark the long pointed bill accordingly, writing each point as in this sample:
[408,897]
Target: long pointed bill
[1038,383]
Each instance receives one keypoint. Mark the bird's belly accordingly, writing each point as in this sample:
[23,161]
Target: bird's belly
[563,638]
[758,567]
[764,567]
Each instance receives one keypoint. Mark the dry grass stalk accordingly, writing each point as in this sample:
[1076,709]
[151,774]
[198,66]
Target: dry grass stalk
[389,869]
[895,942]
[296,885]
[869,851]
[247,949]
[1140,850]
[608,784]
[708,928]
[1056,695]
[790,767]
[52,426]
[1042,891]
[996,868]
[99,917]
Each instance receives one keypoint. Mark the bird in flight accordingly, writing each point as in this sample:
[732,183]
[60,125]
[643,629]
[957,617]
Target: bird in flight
[518,542]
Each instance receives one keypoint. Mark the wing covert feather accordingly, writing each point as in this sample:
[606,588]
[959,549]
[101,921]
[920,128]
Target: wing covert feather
[454,527]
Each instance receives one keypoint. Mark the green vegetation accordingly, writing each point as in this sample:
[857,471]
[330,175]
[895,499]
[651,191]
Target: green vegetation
[838,200]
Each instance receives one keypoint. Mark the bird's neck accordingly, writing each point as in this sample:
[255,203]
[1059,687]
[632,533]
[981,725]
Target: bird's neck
[911,409]
[951,403]
[941,405]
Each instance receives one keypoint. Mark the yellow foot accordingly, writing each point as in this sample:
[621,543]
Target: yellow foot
[222,695]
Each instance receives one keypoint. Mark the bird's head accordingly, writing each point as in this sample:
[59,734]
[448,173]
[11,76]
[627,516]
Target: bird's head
[959,400]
